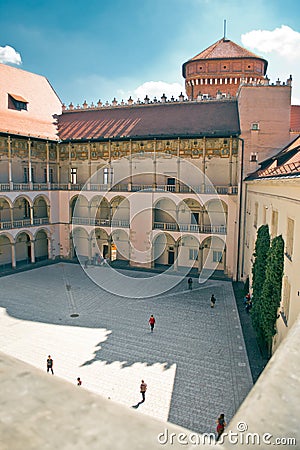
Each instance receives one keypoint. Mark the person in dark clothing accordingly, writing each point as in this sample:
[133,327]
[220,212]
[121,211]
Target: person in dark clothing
[50,364]
[212,301]
[143,389]
[221,424]
[151,322]
[190,283]
[79,382]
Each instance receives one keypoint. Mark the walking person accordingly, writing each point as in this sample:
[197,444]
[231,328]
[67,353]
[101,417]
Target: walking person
[212,301]
[79,382]
[221,424]
[50,364]
[143,389]
[190,283]
[152,322]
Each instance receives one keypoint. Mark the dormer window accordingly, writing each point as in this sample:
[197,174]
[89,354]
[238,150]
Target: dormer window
[17,102]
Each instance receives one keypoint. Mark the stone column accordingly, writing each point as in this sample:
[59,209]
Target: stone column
[175,265]
[47,166]
[29,165]
[203,166]
[230,167]
[13,256]
[57,164]
[32,242]
[31,214]
[10,180]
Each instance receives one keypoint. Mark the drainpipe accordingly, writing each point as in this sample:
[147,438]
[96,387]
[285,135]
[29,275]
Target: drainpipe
[240,213]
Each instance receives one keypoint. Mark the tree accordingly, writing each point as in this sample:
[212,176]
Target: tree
[262,246]
[271,292]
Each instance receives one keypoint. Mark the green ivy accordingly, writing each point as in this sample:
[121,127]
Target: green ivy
[271,291]
[262,246]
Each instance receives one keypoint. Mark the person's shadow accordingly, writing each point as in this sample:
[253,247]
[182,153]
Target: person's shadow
[137,405]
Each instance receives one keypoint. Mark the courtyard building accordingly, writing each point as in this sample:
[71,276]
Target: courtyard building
[151,183]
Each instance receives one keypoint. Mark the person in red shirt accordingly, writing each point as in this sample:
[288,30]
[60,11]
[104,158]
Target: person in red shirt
[143,389]
[152,322]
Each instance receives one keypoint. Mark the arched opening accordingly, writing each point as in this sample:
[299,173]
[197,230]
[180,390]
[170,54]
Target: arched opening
[213,254]
[79,210]
[165,217]
[21,212]
[120,212]
[40,211]
[23,248]
[215,217]
[41,245]
[190,214]
[120,246]
[5,252]
[188,252]
[100,245]
[80,241]
[5,214]
[163,250]
[100,211]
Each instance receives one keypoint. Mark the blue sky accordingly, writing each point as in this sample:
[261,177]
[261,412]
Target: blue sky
[106,49]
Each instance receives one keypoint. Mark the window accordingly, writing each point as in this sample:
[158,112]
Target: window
[26,175]
[17,102]
[264,218]
[108,175]
[26,210]
[290,238]
[253,157]
[274,223]
[73,175]
[255,214]
[286,299]
[255,126]
[217,256]
[51,178]
[105,175]
[193,254]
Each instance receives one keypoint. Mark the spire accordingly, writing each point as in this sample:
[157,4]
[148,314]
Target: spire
[224,38]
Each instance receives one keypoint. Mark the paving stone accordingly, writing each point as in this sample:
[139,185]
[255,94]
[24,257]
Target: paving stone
[191,363]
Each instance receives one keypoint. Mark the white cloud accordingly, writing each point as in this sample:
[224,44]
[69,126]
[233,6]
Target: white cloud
[284,41]
[157,89]
[9,55]
[281,47]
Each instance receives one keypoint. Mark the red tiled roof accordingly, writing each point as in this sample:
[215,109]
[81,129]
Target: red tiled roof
[295,118]
[224,48]
[42,102]
[285,163]
[155,120]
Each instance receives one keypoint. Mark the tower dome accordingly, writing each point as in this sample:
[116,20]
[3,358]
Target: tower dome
[221,68]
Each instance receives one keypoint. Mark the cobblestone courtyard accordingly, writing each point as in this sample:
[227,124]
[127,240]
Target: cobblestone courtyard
[195,362]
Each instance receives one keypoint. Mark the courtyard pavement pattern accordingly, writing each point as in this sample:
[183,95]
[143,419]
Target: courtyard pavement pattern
[194,363]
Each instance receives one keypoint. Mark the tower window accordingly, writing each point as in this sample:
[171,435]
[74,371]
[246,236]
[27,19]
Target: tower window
[255,126]
[253,157]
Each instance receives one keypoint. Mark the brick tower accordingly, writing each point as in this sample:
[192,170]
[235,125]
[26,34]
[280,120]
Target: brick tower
[220,69]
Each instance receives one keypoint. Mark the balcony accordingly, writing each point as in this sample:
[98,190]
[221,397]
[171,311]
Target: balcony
[115,223]
[181,189]
[24,223]
[190,228]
